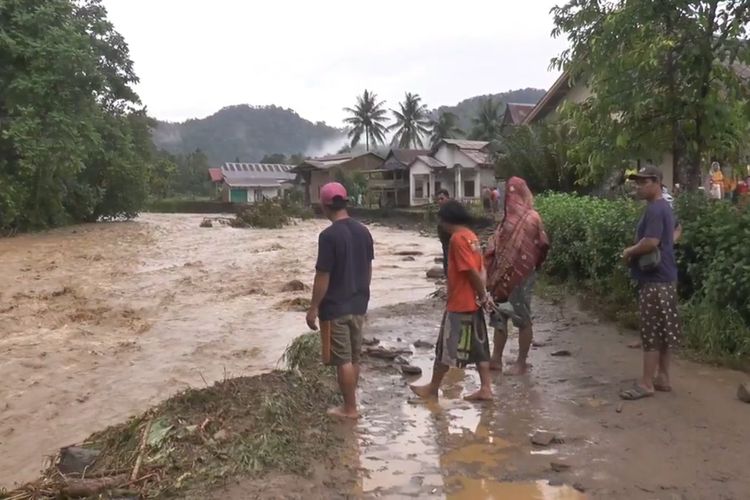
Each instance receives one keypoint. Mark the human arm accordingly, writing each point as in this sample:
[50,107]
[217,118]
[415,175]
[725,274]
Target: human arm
[320,288]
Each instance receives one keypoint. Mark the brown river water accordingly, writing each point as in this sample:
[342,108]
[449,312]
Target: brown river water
[101,321]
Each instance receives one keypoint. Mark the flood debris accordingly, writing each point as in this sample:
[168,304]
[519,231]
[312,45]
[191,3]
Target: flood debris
[543,438]
[408,258]
[423,344]
[743,392]
[298,304]
[411,370]
[559,466]
[561,353]
[385,353]
[435,273]
[197,440]
[295,286]
[409,253]
[367,342]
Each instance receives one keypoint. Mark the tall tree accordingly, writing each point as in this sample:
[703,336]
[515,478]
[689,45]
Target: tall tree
[367,119]
[487,123]
[444,127]
[664,77]
[412,122]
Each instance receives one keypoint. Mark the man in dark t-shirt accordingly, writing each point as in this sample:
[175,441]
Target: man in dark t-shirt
[341,292]
[653,266]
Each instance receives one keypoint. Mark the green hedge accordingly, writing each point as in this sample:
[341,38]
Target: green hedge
[589,234]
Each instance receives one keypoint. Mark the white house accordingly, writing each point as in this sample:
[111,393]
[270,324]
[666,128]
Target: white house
[253,182]
[461,167]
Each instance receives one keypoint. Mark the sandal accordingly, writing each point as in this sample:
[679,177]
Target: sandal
[636,392]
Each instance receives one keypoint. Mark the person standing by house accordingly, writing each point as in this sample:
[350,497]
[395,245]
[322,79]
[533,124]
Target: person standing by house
[717,181]
[442,197]
[653,266]
[463,333]
[487,200]
[515,252]
[341,293]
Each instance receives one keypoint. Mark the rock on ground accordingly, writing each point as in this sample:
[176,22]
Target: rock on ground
[435,273]
[743,392]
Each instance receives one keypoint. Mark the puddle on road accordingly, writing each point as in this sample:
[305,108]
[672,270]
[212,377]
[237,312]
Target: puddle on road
[485,489]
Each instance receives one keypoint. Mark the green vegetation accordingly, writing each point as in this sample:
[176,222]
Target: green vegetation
[488,121]
[588,235]
[445,126]
[468,109]
[542,155]
[367,118]
[271,214]
[74,142]
[245,133]
[199,439]
[665,78]
[412,122]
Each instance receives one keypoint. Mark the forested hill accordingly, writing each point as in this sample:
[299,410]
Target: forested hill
[245,132]
[467,109]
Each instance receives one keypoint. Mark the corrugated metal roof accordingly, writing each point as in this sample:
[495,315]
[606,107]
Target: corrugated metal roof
[480,157]
[464,144]
[244,173]
[326,162]
[429,161]
[215,174]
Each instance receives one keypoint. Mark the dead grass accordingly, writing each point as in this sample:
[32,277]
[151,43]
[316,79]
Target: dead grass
[201,438]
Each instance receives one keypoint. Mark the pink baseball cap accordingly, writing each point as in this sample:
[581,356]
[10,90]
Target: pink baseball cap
[330,191]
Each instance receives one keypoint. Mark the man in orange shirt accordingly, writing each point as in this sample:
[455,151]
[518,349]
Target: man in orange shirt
[463,333]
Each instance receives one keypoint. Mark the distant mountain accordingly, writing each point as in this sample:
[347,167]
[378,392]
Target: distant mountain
[248,133]
[468,108]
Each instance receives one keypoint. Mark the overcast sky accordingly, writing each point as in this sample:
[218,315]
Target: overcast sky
[196,56]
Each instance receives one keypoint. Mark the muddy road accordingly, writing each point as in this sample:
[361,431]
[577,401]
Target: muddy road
[692,444]
[101,321]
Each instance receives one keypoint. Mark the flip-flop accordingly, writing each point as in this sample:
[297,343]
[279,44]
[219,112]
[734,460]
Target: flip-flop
[634,393]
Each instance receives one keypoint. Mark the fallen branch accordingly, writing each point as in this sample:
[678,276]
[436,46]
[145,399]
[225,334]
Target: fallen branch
[141,451]
[82,488]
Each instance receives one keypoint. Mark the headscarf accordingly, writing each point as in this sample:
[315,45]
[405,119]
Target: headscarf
[519,245]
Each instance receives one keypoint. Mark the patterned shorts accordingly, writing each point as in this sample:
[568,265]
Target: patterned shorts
[660,323]
[462,340]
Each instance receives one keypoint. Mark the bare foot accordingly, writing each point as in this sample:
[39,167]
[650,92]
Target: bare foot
[661,384]
[340,412]
[424,391]
[480,395]
[517,369]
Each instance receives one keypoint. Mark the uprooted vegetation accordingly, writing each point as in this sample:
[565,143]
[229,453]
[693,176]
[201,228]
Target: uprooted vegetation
[271,214]
[198,440]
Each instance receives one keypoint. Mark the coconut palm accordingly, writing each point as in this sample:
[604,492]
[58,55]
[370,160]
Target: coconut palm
[367,119]
[412,122]
[487,123]
[444,127]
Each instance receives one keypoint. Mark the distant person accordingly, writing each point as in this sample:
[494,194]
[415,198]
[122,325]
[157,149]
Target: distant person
[442,197]
[341,293]
[463,333]
[653,266]
[717,181]
[515,252]
[487,200]
[495,200]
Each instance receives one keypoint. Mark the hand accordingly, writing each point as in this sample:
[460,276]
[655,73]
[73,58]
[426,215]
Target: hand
[312,319]
[626,256]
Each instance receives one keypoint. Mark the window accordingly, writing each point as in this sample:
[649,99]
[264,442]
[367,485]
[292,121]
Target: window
[418,191]
[258,194]
[469,189]
[438,186]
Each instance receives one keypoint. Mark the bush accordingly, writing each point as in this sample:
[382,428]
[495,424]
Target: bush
[589,234]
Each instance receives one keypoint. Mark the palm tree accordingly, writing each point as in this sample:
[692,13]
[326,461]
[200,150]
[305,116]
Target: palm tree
[412,123]
[487,123]
[445,127]
[367,119]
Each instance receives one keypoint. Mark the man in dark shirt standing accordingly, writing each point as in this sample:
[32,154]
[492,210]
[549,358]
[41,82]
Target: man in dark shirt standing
[653,266]
[442,197]
[341,293]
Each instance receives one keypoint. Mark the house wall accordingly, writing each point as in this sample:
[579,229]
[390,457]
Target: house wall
[451,155]
[419,176]
[577,94]
[318,178]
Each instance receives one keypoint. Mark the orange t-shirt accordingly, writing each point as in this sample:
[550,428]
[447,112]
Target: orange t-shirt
[464,254]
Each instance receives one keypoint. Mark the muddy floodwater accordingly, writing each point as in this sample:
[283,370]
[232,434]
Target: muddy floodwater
[100,321]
